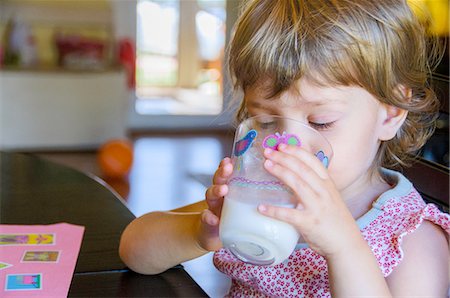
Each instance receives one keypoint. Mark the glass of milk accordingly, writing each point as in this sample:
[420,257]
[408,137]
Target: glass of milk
[249,235]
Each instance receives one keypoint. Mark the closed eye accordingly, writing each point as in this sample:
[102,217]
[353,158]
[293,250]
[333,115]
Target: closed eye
[322,126]
[267,125]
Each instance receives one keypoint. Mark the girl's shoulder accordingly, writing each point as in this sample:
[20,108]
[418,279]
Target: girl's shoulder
[424,250]
[404,205]
[401,215]
[399,212]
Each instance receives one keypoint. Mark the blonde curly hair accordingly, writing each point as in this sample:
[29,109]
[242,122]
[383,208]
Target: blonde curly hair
[377,45]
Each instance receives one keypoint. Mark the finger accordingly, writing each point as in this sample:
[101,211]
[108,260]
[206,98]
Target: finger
[307,158]
[209,218]
[215,205]
[297,166]
[301,189]
[311,165]
[223,172]
[215,192]
[291,216]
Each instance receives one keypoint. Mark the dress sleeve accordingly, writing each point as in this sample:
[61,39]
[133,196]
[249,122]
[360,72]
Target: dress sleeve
[390,253]
[433,214]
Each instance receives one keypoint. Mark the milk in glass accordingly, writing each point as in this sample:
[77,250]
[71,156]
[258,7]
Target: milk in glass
[251,236]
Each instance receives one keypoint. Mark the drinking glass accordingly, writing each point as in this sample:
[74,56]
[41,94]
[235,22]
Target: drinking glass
[249,235]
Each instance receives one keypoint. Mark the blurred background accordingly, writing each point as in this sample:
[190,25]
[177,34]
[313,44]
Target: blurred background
[96,69]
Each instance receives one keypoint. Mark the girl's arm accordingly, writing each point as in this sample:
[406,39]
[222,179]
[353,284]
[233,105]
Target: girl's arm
[424,270]
[157,241]
[355,273]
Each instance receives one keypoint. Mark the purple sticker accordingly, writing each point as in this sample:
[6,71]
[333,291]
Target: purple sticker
[323,158]
[274,140]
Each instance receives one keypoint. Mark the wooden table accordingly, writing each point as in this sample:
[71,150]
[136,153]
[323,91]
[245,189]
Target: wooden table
[36,191]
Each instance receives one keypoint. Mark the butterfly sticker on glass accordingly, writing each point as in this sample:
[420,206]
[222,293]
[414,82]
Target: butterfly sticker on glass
[323,158]
[272,141]
[243,144]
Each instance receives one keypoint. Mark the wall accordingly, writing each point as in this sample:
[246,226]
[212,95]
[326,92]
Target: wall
[61,110]
[45,107]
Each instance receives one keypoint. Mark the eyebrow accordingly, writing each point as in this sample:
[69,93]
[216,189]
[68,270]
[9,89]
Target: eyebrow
[254,104]
[326,101]
[320,102]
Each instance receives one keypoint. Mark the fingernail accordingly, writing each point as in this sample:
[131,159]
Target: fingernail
[268,163]
[213,221]
[262,208]
[268,151]
[300,206]
[282,146]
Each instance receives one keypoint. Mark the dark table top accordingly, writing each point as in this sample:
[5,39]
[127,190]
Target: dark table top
[36,191]
[172,283]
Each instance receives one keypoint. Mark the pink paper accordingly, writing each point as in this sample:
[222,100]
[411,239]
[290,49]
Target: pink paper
[38,260]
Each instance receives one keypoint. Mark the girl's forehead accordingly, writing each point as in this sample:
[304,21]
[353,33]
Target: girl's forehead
[303,92]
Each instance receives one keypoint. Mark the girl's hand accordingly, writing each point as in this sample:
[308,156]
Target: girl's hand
[321,216]
[209,228]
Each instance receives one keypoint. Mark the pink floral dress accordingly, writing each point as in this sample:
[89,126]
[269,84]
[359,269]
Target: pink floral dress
[396,213]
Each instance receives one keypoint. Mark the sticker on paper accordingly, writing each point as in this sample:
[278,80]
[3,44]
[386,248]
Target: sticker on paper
[4,265]
[40,257]
[27,239]
[23,282]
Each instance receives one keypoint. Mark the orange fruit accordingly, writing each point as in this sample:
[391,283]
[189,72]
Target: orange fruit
[115,158]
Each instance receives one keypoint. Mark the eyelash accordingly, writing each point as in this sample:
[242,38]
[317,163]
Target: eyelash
[322,126]
[317,126]
[266,125]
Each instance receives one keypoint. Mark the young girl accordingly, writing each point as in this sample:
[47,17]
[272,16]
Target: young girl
[356,71]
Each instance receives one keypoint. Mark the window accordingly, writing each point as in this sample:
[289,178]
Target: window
[180,48]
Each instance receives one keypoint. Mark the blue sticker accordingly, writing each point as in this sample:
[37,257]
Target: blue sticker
[23,282]
[243,144]
[323,158]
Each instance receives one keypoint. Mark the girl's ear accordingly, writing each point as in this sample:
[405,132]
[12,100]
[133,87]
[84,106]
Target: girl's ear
[393,117]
